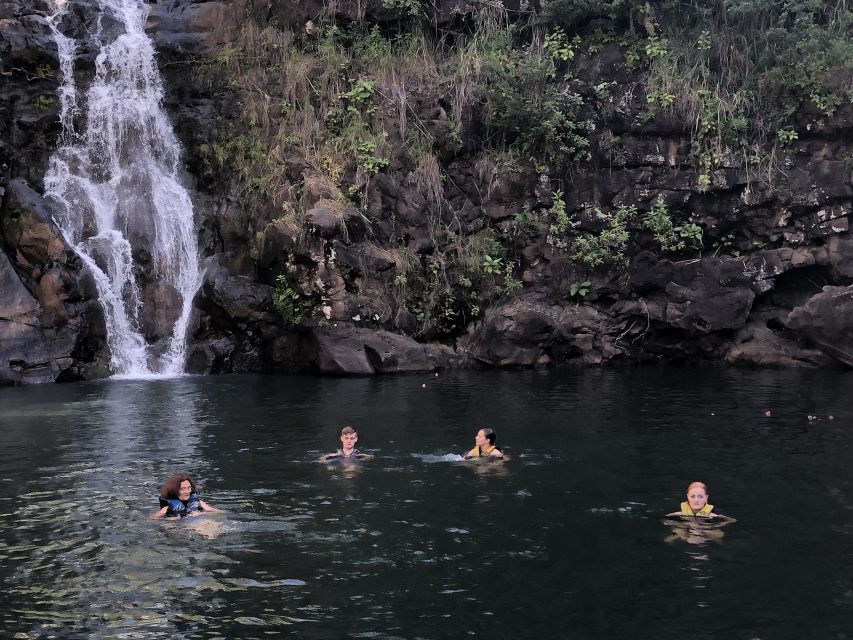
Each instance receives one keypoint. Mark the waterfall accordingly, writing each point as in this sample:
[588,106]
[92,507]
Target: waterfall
[120,201]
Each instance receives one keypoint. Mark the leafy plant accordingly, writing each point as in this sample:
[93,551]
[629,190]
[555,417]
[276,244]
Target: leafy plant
[532,112]
[492,265]
[510,285]
[656,47]
[359,97]
[407,7]
[580,289]
[558,45]
[690,234]
[726,244]
[369,162]
[607,246]
[668,236]
[292,305]
[786,136]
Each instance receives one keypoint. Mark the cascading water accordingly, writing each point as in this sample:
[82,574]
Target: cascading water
[118,192]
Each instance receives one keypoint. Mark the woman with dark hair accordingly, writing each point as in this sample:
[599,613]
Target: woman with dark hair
[484,445]
[178,499]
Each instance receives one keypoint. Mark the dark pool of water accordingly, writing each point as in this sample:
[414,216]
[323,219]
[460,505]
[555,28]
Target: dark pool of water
[563,541]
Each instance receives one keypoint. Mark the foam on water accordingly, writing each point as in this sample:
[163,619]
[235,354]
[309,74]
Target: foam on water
[431,458]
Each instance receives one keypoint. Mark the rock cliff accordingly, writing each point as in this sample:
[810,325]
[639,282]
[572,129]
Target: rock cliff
[443,236]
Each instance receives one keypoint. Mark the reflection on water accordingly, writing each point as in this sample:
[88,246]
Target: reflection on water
[694,530]
[565,538]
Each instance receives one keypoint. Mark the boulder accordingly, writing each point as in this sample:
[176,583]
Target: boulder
[209,356]
[322,221]
[827,321]
[161,308]
[758,345]
[228,299]
[698,296]
[29,351]
[343,349]
[841,254]
[516,334]
[29,229]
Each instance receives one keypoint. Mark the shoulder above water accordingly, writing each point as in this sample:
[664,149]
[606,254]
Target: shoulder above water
[339,457]
[710,519]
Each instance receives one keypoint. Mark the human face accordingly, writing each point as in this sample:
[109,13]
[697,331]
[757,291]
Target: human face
[481,440]
[185,490]
[348,440]
[697,498]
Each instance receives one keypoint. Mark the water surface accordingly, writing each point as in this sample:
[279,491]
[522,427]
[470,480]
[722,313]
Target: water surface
[563,541]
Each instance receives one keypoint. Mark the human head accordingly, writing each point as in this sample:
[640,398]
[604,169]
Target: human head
[349,436]
[484,436]
[697,495]
[172,487]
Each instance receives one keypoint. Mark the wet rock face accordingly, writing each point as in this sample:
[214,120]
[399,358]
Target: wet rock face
[161,308]
[342,349]
[49,321]
[752,296]
[193,26]
[827,322]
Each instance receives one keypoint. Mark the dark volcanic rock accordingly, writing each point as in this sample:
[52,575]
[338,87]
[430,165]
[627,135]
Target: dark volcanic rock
[30,352]
[404,248]
[698,296]
[514,337]
[191,26]
[343,349]
[759,345]
[827,320]
[27,226]
[161,308]
[48,320]
[228,298]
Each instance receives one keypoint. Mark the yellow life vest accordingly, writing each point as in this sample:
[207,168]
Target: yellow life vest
[478,452]
[704,511]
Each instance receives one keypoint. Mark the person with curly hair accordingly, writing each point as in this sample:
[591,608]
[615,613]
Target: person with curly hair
[178,499]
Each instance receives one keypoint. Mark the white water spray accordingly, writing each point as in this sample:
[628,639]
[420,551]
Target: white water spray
[117,186]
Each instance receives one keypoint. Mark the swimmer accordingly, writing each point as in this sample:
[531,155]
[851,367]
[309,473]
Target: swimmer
[696,522]
[696,503]
[484,445]
[178,499]
[347,452]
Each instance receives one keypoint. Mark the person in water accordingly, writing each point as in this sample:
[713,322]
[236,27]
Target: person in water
[178,498]
[696,522]
[347,452]
[484,445]
[697,502]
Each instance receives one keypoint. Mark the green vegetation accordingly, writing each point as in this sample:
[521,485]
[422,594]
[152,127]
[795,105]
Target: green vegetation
[513,92]
[671,238]
[293,306]
[740,71]
[44,102]
[580,289]
[607,247]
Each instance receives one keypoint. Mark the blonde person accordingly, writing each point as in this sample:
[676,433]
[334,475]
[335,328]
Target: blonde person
[696,503]
[695,522]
